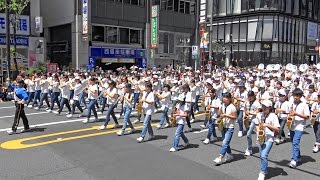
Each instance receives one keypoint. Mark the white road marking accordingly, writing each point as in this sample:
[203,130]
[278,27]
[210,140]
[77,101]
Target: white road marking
[58,122]
[30,114]
[7,107]
[198,132]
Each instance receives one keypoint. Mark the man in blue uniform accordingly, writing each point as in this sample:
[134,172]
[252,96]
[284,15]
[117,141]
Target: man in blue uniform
[20,98]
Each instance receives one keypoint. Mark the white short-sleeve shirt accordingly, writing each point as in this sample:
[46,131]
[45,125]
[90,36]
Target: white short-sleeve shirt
[271,119]
[92,88]
[227,122]
[148,108]
[301,108]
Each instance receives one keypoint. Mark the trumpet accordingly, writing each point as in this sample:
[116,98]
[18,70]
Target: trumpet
[290,119]
[261,133]
[220,121]
[313,118]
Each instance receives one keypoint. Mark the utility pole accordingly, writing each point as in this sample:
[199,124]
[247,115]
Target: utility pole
[197,33]
[8,36]
[77,34]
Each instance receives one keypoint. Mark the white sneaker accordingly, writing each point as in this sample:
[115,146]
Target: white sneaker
[172,149]
[206,141]
[293,164]
[55,112]
[140,139]
[261,176]
[102,127]
[29,106]
[131,131]
[203,126]
[218,160]
[85,121]
[192,120]
[120,133]
[240,134]
[228,157]
[158,126]
[196,112]
[118,116]
[315,149]
[99,113]
[248,152]
[166,125]
[10,132]
[49,110]
[277,141]
[289,133]
[36,108]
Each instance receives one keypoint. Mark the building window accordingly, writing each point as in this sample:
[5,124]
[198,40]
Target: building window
[170,5]
[135,2]
[187,7]
[181,8]
[134,36]
[164,4]
[176,6]
[98,33]
[112,35]
[267,28]
[124,35]
[193,8]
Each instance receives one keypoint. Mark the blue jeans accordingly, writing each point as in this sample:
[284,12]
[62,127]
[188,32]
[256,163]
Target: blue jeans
[179,133]
[240,120]
[83,98]
[135,99]
[126,118]
[44,97]
[264,150]
[211,128]
[91,106]
[55,99]
[36,97]
[295,139]
[227,136]
[110,113]
[164,116]
[103,103]
[64,101]
[31,97]
[196,106]
[249,135]
[147,126]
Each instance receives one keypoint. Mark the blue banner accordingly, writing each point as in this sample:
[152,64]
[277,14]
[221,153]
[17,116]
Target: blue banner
[92,62]
[103,52]
[20,40]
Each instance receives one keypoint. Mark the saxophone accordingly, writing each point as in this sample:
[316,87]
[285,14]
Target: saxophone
[290,119]
[203,99]
[173,120]
[220,121]
[236,103]
[139,107]
[208,114]
[245,119]
[313,117]
[261,133]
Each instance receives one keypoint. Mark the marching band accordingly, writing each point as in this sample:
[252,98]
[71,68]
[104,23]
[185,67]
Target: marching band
[269,100]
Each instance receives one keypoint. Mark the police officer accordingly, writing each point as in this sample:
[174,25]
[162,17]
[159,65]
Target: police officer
[20,98]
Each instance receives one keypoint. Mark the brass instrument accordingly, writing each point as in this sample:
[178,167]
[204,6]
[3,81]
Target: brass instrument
[220,120]
[203,99]
[313,118]
[245,120]
[261,133]
[208,114]
[236,103]
[290,119]
[173,119]
[139,107]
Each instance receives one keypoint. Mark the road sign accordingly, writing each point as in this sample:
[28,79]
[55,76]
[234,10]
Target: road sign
[195,52]
[92,62]
[144,63]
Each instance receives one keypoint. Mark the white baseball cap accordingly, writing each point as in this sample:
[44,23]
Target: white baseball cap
[267,103]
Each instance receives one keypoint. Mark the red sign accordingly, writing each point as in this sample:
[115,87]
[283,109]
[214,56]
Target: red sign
[52,67]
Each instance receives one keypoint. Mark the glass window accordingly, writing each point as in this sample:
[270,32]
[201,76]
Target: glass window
[288,6]
[163,43]
[244,5]
[112,35]
[235,32]
[252,30]
[221,31]
[243,31]
[124,35]
[296,7]
[267,28]
[252,5]
[236,6]
[171,43]
[193,8]
[214,33]
[164,4]
[126,1]
[98,33]
[258,3]
[170,5]
[187,8]
[134,36]
[310,10]
[142,3]
[135,2]
[181,8]
[303,7]
[274,5]
[265,4]
[176,5]
[259,30]
[222,8]
[280,28]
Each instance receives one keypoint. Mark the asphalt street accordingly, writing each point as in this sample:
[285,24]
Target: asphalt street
[62,148]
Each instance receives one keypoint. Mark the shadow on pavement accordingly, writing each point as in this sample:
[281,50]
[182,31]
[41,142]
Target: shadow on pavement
[275,171]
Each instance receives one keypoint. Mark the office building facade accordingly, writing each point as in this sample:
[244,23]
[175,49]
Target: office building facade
[250,32]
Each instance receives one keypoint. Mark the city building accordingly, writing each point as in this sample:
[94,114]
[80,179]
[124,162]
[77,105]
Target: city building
[113,33]
[249,32]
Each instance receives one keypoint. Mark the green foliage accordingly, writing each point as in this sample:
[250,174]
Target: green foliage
[39,67]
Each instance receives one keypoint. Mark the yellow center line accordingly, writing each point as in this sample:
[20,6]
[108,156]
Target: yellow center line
[20,143]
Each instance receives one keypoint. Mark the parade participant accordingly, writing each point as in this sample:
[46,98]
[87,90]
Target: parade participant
[164,98]
[65,95]
[267,124]
[251,109]
[77,90]
[148,108]
[30,89]
[127,99]
[44,84]
[281,110]
[241,96]
[312,95]
[213,105]
[316,126]
[205,98]
[36,80]
[20,98]
[263,94]
[229,116]
[55,93]
[104,86]
[187,95]
[299,112]
[174,92]
[181,114]
[92,91]
[111,95]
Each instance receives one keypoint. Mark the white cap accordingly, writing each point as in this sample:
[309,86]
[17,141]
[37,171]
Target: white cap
[147,79]
[282,92]
[267,103]
[209,81]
